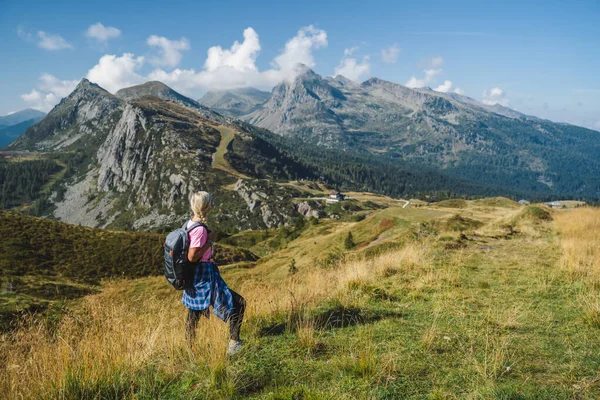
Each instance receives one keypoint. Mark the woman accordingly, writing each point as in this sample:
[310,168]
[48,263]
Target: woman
[207,288]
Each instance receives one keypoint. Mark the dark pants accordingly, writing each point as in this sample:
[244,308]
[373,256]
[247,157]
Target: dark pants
[235,321]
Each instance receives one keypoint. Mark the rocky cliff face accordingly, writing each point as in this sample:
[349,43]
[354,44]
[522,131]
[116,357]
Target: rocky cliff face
[272,205]
[303,107]
[305,209]
[338,112]
[141,154]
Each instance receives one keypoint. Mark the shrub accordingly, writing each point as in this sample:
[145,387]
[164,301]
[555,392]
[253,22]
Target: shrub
[331,260]
[349,241]
[292,269]
[358,218]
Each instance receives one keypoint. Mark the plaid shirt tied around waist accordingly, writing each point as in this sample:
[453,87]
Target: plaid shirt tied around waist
[209,289]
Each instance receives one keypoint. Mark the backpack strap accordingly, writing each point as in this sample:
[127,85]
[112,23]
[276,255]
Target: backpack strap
[197,225]
[194,226]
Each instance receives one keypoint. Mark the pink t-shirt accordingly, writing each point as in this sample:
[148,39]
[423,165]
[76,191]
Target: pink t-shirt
[198,237]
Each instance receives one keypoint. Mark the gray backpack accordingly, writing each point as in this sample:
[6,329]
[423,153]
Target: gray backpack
[176,255]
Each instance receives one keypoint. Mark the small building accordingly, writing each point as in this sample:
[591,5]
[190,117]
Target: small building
[524,202]
[335,197]
[554,204]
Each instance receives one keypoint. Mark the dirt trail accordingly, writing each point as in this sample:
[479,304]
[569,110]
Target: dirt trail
[218,158]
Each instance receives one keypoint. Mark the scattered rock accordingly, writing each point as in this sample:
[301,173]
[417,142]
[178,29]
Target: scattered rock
[305,209]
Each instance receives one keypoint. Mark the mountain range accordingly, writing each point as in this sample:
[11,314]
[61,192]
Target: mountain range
[235,102]
[131,159]
[451,133]
[13,125]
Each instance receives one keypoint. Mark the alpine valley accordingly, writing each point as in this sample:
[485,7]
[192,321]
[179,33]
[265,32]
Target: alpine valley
[129,160]
[455,134]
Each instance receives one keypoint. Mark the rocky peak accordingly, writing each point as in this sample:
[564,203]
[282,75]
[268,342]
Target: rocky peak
[88,112]
[152,88]
[341,81]
[86,88]
[86,96]
[234,102]
[307,87]
[307,100]
[303,70]
[374,82]
[164,92]
[84,82]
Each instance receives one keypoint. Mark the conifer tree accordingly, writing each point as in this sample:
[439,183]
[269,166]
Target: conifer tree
[349,241]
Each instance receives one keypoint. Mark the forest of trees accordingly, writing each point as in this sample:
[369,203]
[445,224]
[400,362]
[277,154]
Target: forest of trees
[21,182]
[361,171]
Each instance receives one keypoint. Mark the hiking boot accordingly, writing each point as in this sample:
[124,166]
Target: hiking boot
[234,348]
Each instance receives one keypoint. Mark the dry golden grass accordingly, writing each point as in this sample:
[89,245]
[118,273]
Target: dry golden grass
[105,335]
[127,328]
[580,240]
[117,330]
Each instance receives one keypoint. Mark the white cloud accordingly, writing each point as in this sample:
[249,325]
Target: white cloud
[52,42]
[437,61]
[350,51]
[447,86]
[444,87]
[48,92]
[169,50]
[429,77]
[114,73]
[183,81]
[102,33]
[240,57]
[299,49]
[496,92]
[44,40]
[223,69]
[351,68]
[597,125]
[32,97]
[111,72]
[495,96]
[236,67]
[51,84]
[391,54]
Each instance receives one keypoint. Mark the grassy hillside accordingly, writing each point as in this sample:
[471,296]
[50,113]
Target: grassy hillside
[488,300]
[44,261]
[38,246]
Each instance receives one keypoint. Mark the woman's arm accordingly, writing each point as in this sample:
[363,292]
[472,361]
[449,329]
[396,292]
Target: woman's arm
[195,253]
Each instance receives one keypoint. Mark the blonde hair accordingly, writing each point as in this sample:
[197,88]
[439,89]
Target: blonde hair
[200,203]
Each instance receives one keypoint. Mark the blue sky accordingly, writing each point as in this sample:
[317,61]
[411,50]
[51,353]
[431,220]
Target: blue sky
[538,57]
